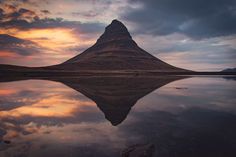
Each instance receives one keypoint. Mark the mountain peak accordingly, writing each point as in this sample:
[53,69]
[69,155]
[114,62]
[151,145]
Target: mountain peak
[116,21]
[114,31]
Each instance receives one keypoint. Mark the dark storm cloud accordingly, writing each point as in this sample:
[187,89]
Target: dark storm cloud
[31,2]
[17,46]
[197,19]
[27,19]
[16,14]
[1,14]
[2,133]
[23,1]
[53,23]
[23,10]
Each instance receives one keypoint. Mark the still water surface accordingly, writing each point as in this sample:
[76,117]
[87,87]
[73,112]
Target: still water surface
[101,117]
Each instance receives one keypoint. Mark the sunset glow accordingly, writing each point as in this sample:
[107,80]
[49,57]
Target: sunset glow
[51,32]
[117,78]
[50,38]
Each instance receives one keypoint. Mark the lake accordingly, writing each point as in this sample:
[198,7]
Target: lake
[174,116]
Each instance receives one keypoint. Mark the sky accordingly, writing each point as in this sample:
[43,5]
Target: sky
[192,34]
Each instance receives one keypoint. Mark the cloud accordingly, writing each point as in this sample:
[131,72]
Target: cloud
[53,23]
[149,21]
[36,36]
[2,132]
[201,55]
[1,13]
[17,46]
[25,11]
[10,12]
[27,19]
[10,8]
[14,100]
[89,14]
[196,19]
[45,11]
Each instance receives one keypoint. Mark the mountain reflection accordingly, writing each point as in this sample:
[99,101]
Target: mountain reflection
[26,107]
[185,118]
[114,96]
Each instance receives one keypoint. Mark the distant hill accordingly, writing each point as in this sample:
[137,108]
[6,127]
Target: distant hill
[229,70]
[5,67]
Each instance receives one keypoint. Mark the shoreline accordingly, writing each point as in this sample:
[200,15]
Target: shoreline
[54,73]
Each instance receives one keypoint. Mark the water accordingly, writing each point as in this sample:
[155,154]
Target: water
[101,117]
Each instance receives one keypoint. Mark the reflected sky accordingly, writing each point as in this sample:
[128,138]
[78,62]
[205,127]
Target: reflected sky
[181,117]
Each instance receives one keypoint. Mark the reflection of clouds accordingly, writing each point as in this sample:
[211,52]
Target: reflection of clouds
[78,139]
[16,99]
[204,92]
[54,106]
[2,133]
[64,121]
[43,104]
[5,92]
[53,102]
[13,130]
[60,116]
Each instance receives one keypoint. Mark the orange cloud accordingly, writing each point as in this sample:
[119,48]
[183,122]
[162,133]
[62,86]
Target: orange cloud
[50,38]
[62,43]
[7,54]
[9,8]
[4,92]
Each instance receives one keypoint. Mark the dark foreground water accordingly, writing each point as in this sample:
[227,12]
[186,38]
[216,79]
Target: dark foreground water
[102,117]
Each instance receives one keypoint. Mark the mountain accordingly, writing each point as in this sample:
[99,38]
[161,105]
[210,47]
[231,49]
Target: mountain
[115,50]
[229,70]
